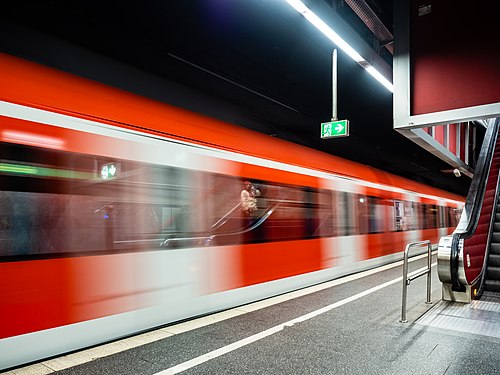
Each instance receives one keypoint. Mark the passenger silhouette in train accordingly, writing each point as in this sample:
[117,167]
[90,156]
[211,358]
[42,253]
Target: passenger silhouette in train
[248,198]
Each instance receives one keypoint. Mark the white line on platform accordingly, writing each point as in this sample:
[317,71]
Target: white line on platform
[271,331]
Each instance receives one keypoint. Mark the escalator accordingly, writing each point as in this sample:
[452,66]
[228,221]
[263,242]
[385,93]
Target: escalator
[491,280]
[217,231]
[469,259]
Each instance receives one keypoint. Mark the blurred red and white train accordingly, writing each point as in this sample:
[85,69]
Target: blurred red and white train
[119,214]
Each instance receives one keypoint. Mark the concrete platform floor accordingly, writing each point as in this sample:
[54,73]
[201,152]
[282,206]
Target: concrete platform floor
[347,326]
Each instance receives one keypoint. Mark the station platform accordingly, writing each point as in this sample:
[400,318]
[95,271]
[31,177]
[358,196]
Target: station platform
[346,326]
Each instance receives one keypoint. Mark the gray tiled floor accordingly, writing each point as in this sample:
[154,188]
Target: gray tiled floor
[480,317]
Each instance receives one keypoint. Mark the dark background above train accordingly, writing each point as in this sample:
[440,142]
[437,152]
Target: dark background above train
[256,64]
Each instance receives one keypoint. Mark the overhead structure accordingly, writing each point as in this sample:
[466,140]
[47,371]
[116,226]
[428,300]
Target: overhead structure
[446,76]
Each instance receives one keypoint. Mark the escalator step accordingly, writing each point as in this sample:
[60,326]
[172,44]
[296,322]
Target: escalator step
[494,260]
[493,273]
[492,285]
[495,248]
[496,227]
[495,237]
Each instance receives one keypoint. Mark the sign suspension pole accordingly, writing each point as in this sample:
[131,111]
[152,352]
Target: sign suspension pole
[334,128]
[334,85]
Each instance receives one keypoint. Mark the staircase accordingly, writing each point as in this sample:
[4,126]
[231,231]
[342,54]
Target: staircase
[492,278]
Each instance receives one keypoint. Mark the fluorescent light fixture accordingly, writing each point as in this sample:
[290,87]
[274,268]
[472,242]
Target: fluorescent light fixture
[298,5]
[341,43]
[379,77]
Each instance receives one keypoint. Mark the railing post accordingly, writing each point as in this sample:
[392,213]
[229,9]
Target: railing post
[405,285]
[429,265]
[407,281]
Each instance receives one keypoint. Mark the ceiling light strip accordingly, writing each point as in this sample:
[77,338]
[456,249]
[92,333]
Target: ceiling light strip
[341,43]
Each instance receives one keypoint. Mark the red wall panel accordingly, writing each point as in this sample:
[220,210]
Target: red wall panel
[452,138]
[454,55]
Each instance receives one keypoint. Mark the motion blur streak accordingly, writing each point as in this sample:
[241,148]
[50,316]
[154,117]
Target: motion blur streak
[32,139]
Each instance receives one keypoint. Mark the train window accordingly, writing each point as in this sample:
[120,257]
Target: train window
[420,215]
[324,214]
[345,216]
[404,218]
[341,212]
[414,216]
[356,214]
[452,221]
[170,219]
[351,214]
[215,210]
[443,217]
[425,218]
[430,216]
[453,216]
[68,207]
[399,216]
[362,210]
[311,208]
[335,213]
[434,214]
[42,223]
[148,203]
[288,219]
[376,215]
[410,220]
[219,201]
[39,211]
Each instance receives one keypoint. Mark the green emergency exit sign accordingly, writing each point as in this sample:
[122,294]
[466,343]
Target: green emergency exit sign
[109,171]
[335,129]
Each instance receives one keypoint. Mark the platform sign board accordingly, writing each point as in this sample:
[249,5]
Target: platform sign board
[335,129]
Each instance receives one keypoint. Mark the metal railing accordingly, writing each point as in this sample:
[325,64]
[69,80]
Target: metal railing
[407,280]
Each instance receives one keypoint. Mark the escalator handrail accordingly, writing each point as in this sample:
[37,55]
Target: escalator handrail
[474,202]
[488,243]
[224,218]
[475,196]
[206,239]
[254,225]
[221,221]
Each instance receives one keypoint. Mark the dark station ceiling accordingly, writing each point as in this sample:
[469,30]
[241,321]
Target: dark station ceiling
[255,63]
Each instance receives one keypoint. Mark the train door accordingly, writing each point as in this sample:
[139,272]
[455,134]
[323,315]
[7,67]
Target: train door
[349,242]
